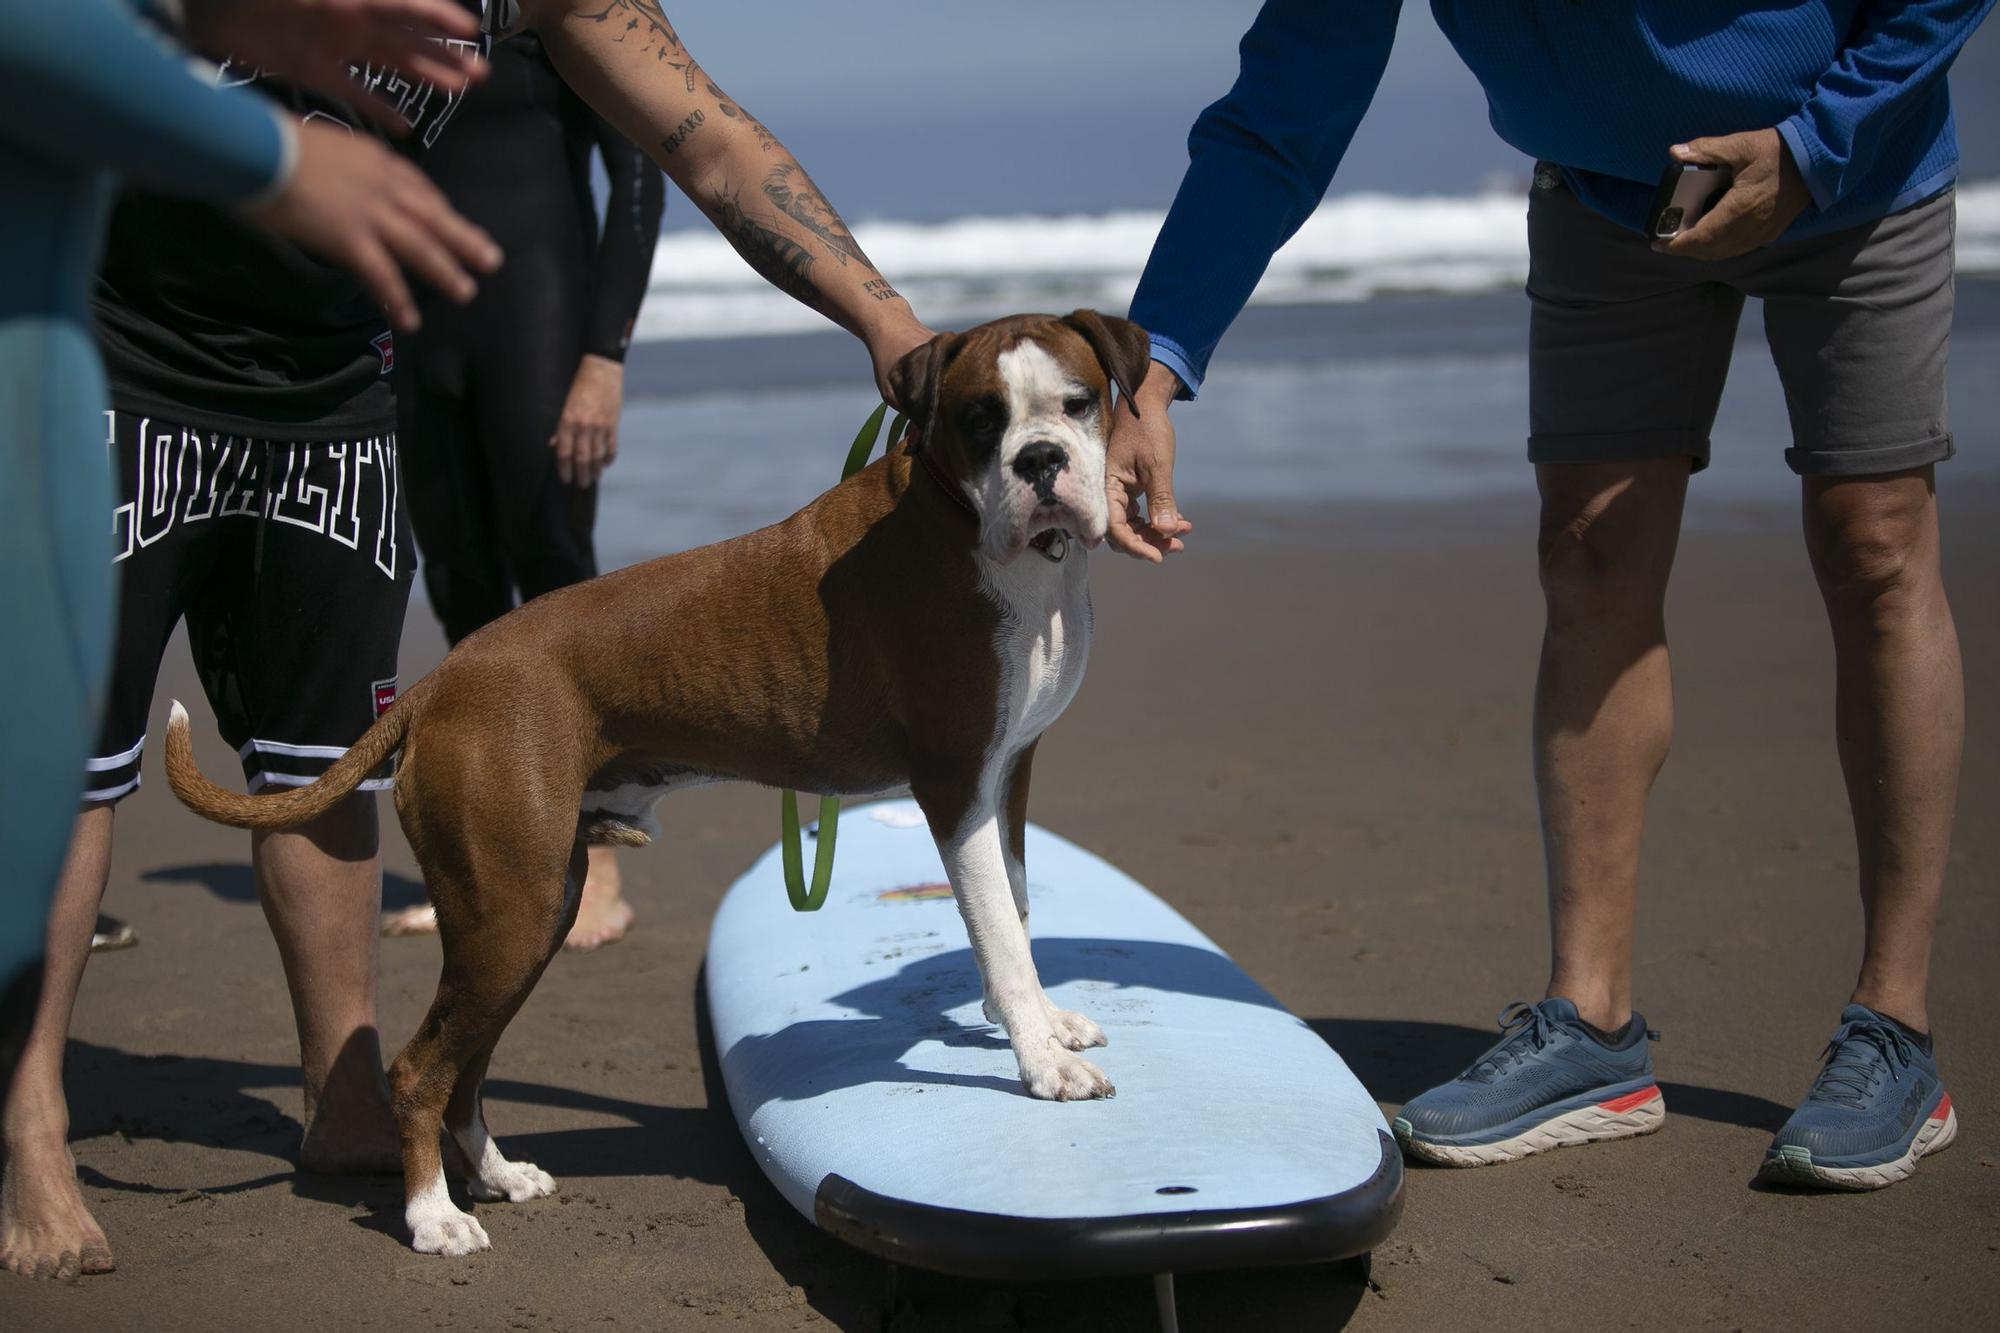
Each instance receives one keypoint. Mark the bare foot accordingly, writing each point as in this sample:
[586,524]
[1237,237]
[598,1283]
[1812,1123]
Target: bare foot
[419,920]
[603,915]
[349,1128]
[45,1229]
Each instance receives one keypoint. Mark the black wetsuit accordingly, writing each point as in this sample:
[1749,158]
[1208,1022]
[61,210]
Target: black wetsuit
[481,387]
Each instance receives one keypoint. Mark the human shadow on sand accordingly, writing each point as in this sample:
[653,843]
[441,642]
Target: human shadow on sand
[207,1102]
[233,882]
[913,1005]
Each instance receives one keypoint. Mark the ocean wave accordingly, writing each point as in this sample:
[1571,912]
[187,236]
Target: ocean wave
[1353,248]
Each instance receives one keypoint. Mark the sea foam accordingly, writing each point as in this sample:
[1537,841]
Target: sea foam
[1353,248]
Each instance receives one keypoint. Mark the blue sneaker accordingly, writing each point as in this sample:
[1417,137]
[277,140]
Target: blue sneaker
[1549,1083]
[1876,1107]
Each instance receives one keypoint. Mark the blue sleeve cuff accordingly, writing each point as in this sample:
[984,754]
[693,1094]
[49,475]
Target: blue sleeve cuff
[1171,355]
[1797,136]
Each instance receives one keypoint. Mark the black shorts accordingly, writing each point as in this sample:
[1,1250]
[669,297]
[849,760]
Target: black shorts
[292,565]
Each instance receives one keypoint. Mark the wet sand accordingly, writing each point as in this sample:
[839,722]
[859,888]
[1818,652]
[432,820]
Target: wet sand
[1311,738]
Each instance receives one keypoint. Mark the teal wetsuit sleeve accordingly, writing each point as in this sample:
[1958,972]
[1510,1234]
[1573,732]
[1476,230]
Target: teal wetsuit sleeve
[1888,68]
[83,83]
[1259,161]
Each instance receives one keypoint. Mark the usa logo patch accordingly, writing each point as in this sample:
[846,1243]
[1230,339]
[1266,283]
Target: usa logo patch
[384,344]
[385,694]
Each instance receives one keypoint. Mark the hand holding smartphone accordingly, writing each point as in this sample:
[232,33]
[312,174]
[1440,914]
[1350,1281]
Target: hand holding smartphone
[1687,191]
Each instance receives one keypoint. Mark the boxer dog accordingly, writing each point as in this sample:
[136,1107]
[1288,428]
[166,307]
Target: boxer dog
[916,629]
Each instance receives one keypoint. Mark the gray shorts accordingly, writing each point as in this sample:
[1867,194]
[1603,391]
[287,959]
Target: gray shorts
[1628,349]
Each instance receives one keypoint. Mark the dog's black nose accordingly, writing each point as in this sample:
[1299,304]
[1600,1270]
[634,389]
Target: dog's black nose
[1038,463]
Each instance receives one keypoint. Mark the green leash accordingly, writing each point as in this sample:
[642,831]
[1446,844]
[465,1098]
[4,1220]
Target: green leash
[804,899]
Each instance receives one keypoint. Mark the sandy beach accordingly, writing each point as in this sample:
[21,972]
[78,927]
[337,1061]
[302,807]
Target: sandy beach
[1311,738]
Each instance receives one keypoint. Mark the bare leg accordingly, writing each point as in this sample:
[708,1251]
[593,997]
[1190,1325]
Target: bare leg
[45,1229]
[321,887]
[1899,714]
[603,915]
[1603,710]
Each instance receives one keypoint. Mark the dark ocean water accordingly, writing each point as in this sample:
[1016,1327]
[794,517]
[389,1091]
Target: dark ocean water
[1412,405]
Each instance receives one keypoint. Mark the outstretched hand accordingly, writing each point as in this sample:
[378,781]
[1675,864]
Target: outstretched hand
[312,42]
[352,201]
[1766,193]
[1139,466]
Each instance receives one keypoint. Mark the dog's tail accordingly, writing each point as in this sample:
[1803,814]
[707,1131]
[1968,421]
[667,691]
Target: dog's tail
[289,808]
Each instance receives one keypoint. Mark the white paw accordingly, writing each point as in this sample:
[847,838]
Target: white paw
[1075,1031]
[1062,1077]
[447,1232]
[516,1182]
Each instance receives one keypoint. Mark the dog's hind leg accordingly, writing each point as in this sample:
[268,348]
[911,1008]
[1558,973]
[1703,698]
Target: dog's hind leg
[494,952]
[489,1175]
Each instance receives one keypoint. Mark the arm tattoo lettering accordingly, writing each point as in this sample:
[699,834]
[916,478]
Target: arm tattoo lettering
[880,289]
[673,142]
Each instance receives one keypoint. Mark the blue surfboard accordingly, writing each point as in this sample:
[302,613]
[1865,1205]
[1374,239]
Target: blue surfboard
[888,1111]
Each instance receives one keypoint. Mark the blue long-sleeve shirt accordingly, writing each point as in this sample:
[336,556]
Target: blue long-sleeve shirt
[85,96]
[1856,88]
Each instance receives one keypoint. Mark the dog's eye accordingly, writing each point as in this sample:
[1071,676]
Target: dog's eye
[1079,406]
[983,417]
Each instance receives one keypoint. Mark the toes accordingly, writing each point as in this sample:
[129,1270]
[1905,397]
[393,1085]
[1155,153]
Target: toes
[516,1182]
[97,1259]
[1075,1031]
[449,1236]
[1067,1080]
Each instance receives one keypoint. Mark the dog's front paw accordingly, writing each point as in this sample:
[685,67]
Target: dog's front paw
[516,1182]
[447,1231]
[1075,1031]
[1062,1077]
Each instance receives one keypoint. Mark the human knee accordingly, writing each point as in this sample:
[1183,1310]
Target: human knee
[1868,546]
[1592,570]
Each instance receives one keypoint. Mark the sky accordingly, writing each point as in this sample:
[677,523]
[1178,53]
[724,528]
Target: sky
[927,109]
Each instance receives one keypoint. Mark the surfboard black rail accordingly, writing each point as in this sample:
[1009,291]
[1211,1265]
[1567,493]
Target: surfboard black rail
[999,1247]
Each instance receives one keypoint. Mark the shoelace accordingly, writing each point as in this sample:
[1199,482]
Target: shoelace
[1523,1028]
[1849,1074]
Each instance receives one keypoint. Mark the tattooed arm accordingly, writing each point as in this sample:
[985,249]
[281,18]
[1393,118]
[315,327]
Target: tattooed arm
[625,59]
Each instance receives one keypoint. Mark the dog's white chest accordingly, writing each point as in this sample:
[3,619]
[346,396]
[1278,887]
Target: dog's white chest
[1044,640]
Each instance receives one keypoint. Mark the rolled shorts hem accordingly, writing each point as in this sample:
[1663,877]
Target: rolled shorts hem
[1632,446]
[1870,462]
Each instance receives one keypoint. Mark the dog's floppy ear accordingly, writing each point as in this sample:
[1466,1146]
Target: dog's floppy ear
[1122,349]
[918,376]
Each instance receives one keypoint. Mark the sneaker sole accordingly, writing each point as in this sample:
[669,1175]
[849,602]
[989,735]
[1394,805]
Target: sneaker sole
[1795,1166]
[1623,1117]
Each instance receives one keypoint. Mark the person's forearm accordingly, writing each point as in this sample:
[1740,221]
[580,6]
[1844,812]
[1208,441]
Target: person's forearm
[129,105]
[1898,55]
[625,59]
[1259,160]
